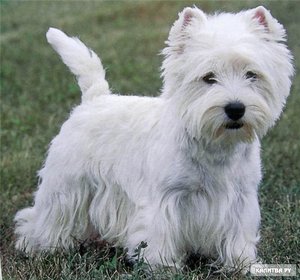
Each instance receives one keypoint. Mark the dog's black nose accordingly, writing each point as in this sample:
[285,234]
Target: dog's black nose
[235,110]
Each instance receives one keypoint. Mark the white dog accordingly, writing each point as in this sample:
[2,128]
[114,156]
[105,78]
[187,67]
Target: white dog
[180,171]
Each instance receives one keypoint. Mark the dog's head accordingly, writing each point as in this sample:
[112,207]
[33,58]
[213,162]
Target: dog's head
[228,75]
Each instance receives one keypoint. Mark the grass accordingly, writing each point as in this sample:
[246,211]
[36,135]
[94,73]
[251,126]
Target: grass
[37,93]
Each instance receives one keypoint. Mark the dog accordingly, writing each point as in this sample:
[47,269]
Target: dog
[180,171]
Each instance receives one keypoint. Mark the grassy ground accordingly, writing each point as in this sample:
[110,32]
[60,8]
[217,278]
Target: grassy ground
[37,94]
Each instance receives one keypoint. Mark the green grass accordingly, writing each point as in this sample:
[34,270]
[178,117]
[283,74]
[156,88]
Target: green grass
[37,93]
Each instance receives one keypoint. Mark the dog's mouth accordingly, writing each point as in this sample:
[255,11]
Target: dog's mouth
[234,125]
[236,129]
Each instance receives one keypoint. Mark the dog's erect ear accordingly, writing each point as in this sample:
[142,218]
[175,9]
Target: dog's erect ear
[260,15]
[188,15]
[179,33]
[270,26]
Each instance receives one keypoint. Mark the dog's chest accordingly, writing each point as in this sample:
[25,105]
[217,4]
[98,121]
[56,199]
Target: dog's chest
[203,201]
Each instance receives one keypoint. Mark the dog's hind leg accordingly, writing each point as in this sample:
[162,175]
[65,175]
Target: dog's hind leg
[58,217]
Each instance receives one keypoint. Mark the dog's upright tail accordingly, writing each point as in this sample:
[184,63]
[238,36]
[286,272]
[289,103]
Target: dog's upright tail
[83,63]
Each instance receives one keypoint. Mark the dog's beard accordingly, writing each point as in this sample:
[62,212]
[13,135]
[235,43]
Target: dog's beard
[234,132]
[219,130]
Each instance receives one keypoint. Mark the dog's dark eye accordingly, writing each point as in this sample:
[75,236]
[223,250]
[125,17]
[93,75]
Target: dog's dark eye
[251,75]
[209,78]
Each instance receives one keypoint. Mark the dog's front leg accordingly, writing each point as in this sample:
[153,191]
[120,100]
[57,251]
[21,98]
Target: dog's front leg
[240,246]
[151,226]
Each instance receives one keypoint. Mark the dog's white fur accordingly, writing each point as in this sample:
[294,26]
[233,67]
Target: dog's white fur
[166,170]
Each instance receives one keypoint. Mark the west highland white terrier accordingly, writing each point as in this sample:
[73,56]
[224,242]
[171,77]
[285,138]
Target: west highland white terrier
[179,171]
